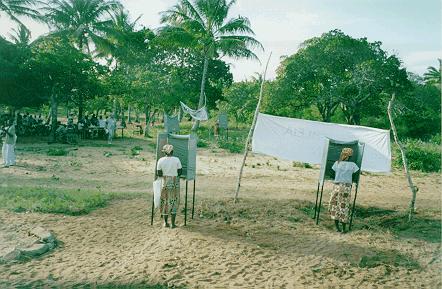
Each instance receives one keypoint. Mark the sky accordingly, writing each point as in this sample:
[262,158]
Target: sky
[410,29]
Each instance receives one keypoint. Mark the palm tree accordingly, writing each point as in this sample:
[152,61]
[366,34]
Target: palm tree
[203,24]
[21,36]
[86,22]
[14,8]
[433,76]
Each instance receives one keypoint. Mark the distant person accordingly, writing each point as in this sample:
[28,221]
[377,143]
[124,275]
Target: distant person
[94,120]
[170,169]
[8,148]
[339,206]
[111,126]
[101,122]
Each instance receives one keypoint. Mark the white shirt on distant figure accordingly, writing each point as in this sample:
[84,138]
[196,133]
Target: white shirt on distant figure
[102,123]
[169,166]
[111,124]
[344,171]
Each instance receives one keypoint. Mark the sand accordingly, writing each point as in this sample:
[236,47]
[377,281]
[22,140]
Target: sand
[265,241]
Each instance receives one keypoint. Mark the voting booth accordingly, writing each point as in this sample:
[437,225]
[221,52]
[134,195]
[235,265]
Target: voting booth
[184,148]
[171,124]
[223,124]
[331,153]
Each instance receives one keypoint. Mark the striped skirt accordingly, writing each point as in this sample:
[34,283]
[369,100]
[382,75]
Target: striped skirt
[170,195]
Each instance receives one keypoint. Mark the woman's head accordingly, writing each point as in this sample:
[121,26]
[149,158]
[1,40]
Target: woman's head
[346,153]
[168,149]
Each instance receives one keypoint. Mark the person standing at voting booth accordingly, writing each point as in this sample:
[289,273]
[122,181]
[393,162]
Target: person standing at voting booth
[339,206]
[170,169]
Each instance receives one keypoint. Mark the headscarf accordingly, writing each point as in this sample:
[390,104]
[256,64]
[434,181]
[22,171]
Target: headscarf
[345,153]
[167,149]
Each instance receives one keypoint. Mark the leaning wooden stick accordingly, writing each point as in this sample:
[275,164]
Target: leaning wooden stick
[413,188]
[252,128]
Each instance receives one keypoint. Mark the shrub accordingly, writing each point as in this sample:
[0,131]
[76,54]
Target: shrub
[135,150]
[57,152]
[202,143]
[231,146]
[421,156]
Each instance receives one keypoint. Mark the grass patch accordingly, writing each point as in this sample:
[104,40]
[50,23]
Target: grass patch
[135,151]
[57,152]
[43,200]
[388,258]
[232,146]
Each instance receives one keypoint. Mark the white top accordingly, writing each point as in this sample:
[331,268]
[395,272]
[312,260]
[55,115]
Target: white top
[102,123]
[169,166]
[344,171]
[111,124]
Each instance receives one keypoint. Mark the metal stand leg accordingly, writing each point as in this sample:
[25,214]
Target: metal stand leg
[193,198]
[185,205]
[153,207]
[353,209]
[316,202]
[319,205]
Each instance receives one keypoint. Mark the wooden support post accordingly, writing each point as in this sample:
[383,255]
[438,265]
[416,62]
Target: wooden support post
[252,128]
[153,208]
[316,201]
[414,189]
[320,203]
[185,205]
[353,208]
[193,199]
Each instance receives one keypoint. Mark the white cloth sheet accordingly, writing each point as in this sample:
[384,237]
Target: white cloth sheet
[303,140]
[199,114]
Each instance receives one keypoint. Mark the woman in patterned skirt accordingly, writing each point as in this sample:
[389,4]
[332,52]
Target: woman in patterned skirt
[339,206]
[169,168]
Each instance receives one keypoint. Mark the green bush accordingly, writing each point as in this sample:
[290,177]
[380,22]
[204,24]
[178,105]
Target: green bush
[202,143]
[421,156]
[57,152]
[135,150]
[231,146]
[68,202]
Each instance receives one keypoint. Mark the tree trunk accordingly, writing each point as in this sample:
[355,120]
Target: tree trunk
[80,107]
[414,189]
[54,108]
[146,121]
[196,124]
[252,128]
[129,120]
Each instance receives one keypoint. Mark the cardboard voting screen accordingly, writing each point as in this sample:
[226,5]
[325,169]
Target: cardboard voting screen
[332,151]
[223,121]
[171,124]
[184,147]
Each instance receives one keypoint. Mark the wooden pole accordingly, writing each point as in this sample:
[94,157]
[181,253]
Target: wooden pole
[414,189]
[252,128]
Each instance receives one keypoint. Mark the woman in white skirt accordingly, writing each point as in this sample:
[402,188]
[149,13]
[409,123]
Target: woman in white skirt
[8,148]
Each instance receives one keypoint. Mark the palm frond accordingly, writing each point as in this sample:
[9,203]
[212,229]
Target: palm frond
[236,25]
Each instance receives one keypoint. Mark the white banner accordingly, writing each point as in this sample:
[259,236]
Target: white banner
[303,140]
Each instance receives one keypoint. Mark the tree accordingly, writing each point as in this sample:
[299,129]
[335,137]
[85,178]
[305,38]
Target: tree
[85,22]
[242,98]
[17,79]
[15,8]
[336,71]
[63,73]
[204,26]
[433,76]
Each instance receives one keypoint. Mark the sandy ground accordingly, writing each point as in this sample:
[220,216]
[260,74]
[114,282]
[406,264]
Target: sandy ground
[265,242]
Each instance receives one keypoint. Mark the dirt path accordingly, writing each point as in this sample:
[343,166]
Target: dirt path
[245,249]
